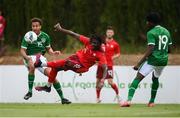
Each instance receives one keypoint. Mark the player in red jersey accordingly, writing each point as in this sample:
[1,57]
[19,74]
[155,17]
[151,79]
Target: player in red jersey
[79,62]
[112,51]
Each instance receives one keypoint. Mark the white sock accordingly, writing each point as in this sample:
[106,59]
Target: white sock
[44,64]
[49,84]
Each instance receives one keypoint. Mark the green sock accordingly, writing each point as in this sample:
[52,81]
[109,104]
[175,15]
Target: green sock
[57,86]
[154,89]
[30,82]
[132,88]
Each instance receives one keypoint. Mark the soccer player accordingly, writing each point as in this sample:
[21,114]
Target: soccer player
[154,59]
[79,62]
[31,51]
[112,51]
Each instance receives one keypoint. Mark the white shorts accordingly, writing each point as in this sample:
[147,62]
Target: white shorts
[43,60]
[146,69]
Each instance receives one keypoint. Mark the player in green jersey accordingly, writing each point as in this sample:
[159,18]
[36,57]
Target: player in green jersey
[31,51]
[154,59]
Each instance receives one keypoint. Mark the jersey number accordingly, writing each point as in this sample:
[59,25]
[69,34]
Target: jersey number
[110,72]
[163,40]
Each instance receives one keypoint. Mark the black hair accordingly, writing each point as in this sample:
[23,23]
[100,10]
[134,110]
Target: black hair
[153,17]
[110,28]
[99,38]
[2,12]
[36,20]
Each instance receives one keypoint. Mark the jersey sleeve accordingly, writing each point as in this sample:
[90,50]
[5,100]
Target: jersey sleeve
[24,44]
[101,58]
[84,40]
[150,39]
[117,48]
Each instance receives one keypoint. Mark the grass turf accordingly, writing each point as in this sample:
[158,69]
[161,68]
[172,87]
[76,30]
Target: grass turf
[87,110]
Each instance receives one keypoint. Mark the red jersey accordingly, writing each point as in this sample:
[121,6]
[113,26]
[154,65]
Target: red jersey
[2,26]
[111,48]
[89,57]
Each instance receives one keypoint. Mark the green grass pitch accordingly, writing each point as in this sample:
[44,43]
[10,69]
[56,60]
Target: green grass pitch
[87,110]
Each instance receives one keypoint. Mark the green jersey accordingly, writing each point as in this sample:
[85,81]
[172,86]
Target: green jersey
[38,46]
[161,39]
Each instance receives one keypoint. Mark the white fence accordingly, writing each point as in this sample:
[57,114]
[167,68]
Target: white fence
[81,89]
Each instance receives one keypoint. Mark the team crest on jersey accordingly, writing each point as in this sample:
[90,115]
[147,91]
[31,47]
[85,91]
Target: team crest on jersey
[43,40]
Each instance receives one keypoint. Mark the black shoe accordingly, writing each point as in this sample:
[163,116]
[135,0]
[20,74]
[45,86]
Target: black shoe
[38,61]
[65,101]
[28,95]
[43,88]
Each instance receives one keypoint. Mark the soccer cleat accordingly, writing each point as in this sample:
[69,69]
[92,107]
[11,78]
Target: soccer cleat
[65,101]
[28,95]
[151,104]
[98,100]
[126,104]
[43,88]
[38,61]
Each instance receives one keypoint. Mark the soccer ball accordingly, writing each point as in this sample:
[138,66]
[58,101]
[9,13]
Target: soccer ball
[30,37]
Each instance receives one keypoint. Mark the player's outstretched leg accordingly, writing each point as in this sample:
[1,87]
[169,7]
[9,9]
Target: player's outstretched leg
[43,88]
[131,92]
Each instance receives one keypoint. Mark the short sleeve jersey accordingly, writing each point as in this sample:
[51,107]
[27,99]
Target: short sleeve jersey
[89,57]
[39,46]
[161,39]
[111,48]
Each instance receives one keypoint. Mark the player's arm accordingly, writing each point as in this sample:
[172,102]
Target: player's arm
[68,32]
[103,63]
[170,44]
[27,58]
[52,52]
[117,52]
[104,67]
[146,55]
[24,55]
[169,48]
[116,55]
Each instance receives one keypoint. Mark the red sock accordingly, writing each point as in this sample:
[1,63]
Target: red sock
[98,92]
[56,64]
[114,86]
[52,75]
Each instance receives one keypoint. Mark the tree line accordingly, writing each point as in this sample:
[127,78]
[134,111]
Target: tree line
[88,17]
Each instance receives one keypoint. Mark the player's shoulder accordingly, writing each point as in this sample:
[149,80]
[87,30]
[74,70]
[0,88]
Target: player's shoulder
[114,42]
[83,37]
[165,30]
[44,34]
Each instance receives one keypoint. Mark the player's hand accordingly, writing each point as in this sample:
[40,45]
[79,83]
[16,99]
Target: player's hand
[57,53]
[57,27]
[136,67]
[101,83]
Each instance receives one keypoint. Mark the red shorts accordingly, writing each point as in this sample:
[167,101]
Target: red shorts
[99,73]
[73,63]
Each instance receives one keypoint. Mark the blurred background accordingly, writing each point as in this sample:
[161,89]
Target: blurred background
[88,17]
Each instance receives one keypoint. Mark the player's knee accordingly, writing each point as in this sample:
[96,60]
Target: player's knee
[47,71]
[31,70]
[110,82]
